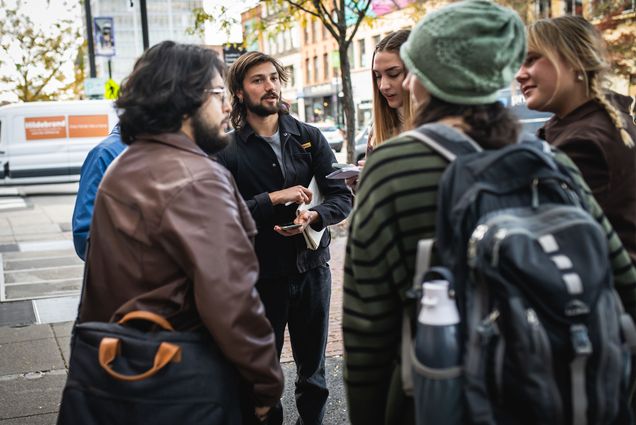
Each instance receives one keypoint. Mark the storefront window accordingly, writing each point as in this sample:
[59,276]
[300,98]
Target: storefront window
[362,53]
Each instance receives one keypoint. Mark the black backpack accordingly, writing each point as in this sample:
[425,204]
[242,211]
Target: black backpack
[543,329]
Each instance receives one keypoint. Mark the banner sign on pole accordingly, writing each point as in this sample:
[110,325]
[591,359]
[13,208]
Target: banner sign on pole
[104,36]
[231,53]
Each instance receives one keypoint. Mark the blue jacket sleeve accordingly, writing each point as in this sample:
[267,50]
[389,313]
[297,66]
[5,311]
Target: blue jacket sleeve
[93,169]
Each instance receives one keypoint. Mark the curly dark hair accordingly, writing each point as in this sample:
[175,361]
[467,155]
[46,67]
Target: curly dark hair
[492,126]
[236,75]
[166,85]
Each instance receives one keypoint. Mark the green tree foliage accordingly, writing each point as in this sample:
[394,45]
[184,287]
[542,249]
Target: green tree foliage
[618,25]
[34,60]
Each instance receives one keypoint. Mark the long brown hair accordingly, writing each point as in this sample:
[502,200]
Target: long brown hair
[387,122]
[492,125]
[236,75]
[580,45]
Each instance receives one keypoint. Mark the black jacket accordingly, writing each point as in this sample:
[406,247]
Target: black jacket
[255,168]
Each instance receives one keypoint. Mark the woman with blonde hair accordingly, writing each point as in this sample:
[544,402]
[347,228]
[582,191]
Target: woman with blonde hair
[563,73]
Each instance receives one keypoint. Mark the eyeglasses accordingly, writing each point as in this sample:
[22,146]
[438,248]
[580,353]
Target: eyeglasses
[219,92]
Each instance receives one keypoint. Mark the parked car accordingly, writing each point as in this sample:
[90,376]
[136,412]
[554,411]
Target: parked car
[332,134]
[47,142]
[530,120]
[361,143]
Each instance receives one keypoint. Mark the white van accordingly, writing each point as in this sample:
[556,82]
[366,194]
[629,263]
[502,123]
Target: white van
[47,142]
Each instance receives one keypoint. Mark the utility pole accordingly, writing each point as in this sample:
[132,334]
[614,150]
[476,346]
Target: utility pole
[89,35]
[144,23]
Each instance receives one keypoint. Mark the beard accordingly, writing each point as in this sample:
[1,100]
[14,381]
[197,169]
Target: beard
[260,109]
[209,138]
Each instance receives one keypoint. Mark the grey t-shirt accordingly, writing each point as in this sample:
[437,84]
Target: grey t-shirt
[274,142]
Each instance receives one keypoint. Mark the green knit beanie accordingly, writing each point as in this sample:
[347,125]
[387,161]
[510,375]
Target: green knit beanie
[465,52]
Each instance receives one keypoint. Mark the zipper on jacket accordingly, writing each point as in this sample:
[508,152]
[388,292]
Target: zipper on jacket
[283,142]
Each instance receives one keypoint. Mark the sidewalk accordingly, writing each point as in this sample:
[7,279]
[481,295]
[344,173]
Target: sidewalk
[35,334]
[33,367]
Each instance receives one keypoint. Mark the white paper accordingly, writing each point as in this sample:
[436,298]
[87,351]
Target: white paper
[312,237]
[345,172]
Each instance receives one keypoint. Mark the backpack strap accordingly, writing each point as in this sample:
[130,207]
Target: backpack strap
[422,264]
[582,347]
[450,144]
[445,140]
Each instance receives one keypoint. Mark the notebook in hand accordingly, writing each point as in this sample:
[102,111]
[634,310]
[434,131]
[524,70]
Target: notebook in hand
[312,237]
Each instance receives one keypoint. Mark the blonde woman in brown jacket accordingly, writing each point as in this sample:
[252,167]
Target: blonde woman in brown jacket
[563,73]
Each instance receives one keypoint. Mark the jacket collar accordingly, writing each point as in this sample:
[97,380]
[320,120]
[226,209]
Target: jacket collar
[286,124]
[176,140]
[556,124]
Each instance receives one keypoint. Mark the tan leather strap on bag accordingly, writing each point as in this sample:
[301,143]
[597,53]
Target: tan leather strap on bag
[147,315]
[109,348]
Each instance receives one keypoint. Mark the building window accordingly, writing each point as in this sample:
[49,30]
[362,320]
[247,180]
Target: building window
[629,6]
[362,54]
[306,31]
[280,43]
[313,31]
[291,78]
[376,41]
[350,55]
[307,72]
[574,7]
[543,8]
[325,66]
[316,67]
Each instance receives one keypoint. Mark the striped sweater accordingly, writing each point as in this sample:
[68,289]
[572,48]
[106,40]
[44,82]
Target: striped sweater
[395,208]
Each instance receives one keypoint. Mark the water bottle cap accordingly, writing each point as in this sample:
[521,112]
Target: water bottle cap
[437,308]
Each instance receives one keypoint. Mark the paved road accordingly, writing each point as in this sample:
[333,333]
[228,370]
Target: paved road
[39,286]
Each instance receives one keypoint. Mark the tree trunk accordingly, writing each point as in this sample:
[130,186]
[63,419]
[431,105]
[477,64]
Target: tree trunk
[347,102]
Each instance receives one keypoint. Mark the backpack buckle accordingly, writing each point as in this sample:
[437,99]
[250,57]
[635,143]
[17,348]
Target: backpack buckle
[580,340]
[487,329]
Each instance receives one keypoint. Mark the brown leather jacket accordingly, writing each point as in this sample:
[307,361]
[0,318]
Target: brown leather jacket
[172,235]
[589,137]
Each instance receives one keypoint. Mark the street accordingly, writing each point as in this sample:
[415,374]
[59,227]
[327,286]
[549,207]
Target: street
[40,280]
